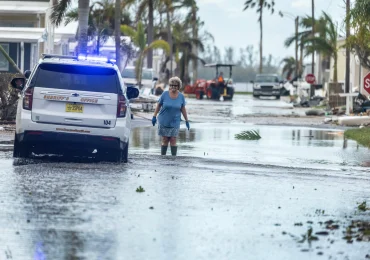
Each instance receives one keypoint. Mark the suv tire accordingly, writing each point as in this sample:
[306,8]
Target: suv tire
[124,154]
[20,150]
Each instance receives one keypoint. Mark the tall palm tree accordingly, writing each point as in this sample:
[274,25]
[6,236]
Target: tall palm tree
[301,37]
[59,11]
[101,21]
[192,18]
[140,40]
[183,44]
[327,45]
[260,5]
[289,66]
[144,5]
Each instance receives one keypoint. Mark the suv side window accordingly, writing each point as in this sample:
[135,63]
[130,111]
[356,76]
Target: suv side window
[75,77]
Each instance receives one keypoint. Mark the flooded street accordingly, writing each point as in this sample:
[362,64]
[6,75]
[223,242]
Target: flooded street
[220,198]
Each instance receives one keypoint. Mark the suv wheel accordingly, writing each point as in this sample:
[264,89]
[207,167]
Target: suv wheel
[20,150]
[124,155]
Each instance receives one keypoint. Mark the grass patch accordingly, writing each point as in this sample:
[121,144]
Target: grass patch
[361,135]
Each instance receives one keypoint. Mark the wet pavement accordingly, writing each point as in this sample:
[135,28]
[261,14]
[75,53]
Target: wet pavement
[221,198]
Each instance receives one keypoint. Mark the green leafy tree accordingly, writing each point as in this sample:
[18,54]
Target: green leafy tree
[139,39]
[289,65]
[326,43]
[359,41]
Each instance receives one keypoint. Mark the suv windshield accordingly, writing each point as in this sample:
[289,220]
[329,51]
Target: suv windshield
[72,77]
[267,79]
[130,74]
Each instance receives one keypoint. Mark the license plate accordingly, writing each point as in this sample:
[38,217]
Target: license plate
[74,108]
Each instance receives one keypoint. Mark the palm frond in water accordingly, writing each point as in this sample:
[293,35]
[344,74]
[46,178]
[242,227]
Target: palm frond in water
[248,135]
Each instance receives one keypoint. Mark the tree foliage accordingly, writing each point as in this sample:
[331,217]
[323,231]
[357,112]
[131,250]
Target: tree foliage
[359,41]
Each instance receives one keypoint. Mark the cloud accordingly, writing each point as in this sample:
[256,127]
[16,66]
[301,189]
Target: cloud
[301,4]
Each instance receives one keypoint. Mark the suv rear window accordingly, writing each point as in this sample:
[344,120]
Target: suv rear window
[74,77]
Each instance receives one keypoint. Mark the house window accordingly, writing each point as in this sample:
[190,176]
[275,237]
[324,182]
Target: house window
[4,63]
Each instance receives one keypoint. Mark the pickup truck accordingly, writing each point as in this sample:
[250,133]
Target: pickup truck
[267,85]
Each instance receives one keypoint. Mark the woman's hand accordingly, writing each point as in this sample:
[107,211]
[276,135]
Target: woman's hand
[187,125]
[154,120]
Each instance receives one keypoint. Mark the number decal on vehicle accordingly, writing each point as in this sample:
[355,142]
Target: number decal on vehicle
[107,122]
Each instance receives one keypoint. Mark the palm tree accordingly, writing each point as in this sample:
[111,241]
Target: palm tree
[326,45]
[260,5]
[301,37]
[59,11]
[193,20]
[183,44]
[101,22]
[148,4]
[140,40]
[117,32]
[289,66]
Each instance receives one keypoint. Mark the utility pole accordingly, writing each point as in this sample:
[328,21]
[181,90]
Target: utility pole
[296,46]
[348,58]
[313,34]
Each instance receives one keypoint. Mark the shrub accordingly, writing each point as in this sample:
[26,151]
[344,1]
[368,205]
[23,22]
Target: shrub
[8,97]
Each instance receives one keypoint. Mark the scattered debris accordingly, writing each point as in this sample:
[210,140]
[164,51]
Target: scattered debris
[140,189]
[248,135]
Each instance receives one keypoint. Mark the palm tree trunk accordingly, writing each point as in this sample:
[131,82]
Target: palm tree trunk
[195,36]
[83,19]
[170,42]
[335,76]
[150,33]
[313,35]
[301,60]
[117,26]
[9,59]
[261,37]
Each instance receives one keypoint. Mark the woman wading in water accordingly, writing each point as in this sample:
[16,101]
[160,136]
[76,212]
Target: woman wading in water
[170,106]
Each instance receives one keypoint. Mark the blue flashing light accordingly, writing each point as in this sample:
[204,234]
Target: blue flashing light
[95,58]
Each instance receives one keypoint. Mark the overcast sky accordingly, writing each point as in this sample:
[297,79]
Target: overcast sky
[231,26]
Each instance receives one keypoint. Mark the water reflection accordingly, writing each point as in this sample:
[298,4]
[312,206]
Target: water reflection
[55,204]
[284,146]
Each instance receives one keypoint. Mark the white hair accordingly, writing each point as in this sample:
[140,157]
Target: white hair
[175,81]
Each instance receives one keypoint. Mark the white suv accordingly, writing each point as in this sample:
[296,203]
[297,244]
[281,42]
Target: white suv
[71,105]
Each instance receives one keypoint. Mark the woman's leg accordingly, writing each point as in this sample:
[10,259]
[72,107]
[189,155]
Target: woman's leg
[173,145]
[165,141]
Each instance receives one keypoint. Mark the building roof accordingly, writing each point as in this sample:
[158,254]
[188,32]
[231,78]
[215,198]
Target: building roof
[23,7]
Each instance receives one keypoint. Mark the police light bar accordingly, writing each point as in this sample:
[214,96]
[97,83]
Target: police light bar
[95,58]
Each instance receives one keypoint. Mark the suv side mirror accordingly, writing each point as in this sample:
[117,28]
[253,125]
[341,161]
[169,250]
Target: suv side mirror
[27,74]
[132,92]
[18,83]
[155,79]
[251,81]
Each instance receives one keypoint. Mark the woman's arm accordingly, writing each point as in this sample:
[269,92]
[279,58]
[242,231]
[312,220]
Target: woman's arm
[184,113]
[156,111]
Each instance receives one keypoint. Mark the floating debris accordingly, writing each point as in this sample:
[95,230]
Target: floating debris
[248,135]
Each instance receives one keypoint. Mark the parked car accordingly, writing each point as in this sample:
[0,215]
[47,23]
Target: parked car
[72,106]
[267,85]
[147,81]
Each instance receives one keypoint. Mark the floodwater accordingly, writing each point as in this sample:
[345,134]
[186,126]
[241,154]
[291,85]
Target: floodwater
[295,147]
[241,105]
[221,198]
